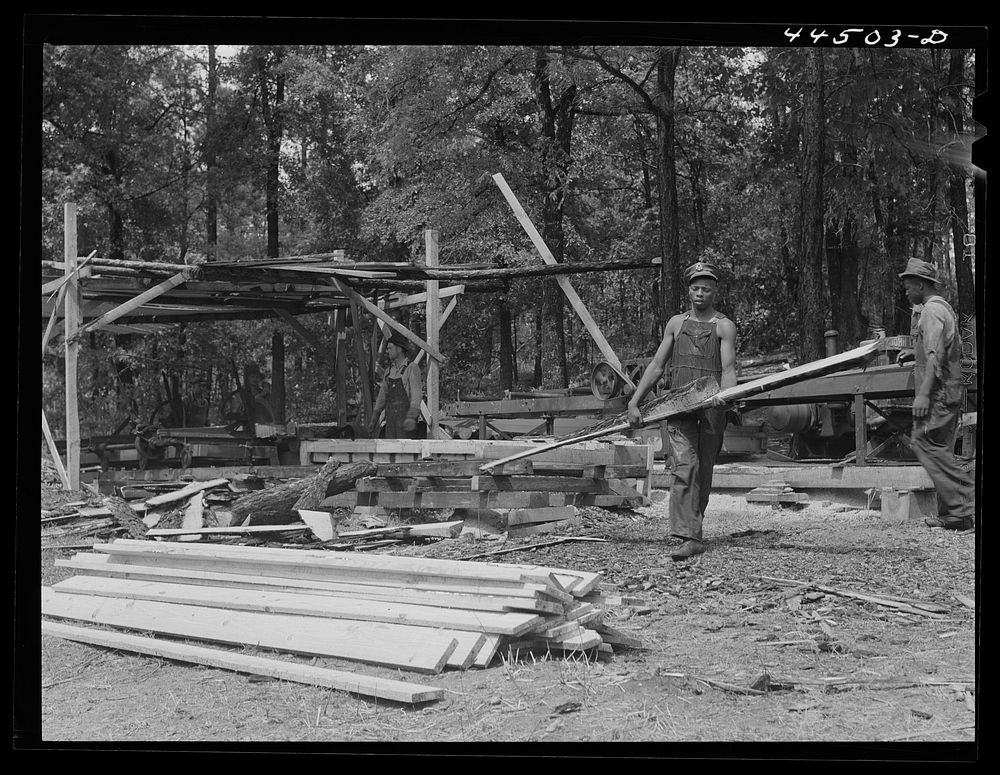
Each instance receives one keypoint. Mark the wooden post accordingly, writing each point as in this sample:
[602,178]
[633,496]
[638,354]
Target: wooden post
[364,369]
[72,321]
[278,376]
[567,288]
[340,366]
[55,453]
[860,435]
[433,331]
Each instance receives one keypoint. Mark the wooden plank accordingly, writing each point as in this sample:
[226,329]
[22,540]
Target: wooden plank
[529,516]
[468,645]
[410,648]
[385,567]
[406,300]
[97,564]
[810,476]
[193,517]
[355,683]
[230,530]
[184,492]
[493,499]
[488,651]
[273,601]
[550,484]
[574,299]
[389,321]
[449,468]
[51,326]
[433,322]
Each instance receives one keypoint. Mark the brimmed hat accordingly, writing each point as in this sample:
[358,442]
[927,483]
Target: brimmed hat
[922,270]
[398,339]
[701,269]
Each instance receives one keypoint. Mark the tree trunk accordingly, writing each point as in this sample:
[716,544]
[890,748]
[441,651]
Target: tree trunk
[271,109]
[672,297]
[211,195]
[842,253]
[276,505]
[811,307]
[556,119]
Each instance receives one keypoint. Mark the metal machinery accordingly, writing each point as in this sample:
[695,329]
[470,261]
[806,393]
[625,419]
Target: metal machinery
[863,414]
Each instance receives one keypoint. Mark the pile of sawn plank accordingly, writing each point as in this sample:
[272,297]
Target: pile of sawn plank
[402,612]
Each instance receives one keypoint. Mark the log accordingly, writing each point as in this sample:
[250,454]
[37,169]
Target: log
[277,505]
[126,516]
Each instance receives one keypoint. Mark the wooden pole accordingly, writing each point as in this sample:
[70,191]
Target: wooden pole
[55,453]
[71,318]
[123,309]
[433,330]
[860,430]
[357,299]
[340,366]
[574,299]
[364,369]
[278,376]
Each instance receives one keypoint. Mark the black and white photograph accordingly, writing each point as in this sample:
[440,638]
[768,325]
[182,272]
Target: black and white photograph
[525,387]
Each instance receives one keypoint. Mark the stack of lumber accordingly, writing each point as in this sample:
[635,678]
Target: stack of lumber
[408,613]
[777,493]
[531,491]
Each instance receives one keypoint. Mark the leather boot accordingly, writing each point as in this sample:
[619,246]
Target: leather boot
[689,548]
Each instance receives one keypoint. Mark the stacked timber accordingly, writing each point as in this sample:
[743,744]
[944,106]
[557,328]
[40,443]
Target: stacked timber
[409,613]
[545,489]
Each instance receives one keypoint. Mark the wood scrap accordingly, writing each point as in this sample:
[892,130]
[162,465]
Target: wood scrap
[929,610]
[126,516]
[529,547]
[184,493]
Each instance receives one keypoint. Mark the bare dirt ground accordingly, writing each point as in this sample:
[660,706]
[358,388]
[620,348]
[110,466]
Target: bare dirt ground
[730,656]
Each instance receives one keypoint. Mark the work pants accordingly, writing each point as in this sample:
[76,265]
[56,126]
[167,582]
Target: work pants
[695,441]
[933,443]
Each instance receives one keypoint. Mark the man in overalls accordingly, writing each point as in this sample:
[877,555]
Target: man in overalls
[400,393]
[700,342]
[937,403]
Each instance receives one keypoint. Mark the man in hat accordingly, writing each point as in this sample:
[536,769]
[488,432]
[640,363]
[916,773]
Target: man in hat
[400,392]
[700,342]
[937,401]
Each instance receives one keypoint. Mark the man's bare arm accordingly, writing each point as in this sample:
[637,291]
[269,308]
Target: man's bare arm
[653,371]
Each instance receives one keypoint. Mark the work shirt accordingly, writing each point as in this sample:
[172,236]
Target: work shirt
[934,328]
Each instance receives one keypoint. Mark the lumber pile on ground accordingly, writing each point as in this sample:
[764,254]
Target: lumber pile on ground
[416,614]
[537,495]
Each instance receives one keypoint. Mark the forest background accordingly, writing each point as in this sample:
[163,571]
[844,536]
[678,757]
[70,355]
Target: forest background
[807,174]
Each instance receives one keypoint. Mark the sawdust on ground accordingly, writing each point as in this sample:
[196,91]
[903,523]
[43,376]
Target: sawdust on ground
[825,667]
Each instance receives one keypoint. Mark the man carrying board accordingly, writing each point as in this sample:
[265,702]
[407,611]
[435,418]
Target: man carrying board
[700,342]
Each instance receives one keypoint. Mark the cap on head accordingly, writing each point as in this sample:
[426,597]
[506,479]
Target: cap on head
[399,340]
[701,269]
[920,270]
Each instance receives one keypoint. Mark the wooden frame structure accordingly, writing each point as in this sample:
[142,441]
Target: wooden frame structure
[140,297]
